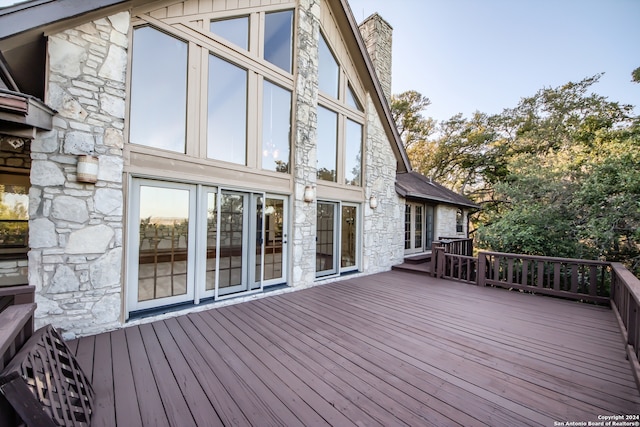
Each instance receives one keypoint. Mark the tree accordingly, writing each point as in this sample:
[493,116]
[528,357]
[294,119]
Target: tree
[556,175]
[406,110]
[635,75]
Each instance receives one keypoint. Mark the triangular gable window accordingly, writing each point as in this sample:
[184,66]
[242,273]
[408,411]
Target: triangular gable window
[328,69]
[352,100]
[236,30]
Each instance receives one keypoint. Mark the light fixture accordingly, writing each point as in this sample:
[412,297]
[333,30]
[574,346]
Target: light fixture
[373,202]
[309,194]
[87,169]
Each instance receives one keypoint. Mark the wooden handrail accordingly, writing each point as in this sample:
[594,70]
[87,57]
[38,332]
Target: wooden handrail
[625,301]
[583,280]
[16,326]
[16,319]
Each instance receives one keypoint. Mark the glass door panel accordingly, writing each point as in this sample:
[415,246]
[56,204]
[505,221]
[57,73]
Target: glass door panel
[257,231]
[417,237]
[275,241]
[349,230]
[212,240]
[233,243]
[326,253]
[162,244]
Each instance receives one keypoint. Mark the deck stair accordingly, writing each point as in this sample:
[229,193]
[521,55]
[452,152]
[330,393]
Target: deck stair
[419,263]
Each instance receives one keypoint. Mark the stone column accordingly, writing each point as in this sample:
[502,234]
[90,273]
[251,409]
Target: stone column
[377,36]
[304,213]
[75,229]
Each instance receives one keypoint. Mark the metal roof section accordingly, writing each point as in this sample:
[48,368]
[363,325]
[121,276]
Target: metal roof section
[29,15]
[414,185]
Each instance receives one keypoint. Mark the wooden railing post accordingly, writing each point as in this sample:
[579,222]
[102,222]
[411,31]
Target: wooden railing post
[482,269]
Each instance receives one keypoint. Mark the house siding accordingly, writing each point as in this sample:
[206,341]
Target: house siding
[446,222]
[76,229]
[77,258]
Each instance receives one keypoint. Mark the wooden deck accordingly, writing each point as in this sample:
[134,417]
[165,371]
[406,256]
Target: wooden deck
[389,349]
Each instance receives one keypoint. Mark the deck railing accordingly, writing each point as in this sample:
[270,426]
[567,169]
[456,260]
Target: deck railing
[16,319]
[443,252]
[625,301]
[582,280]
[563,277]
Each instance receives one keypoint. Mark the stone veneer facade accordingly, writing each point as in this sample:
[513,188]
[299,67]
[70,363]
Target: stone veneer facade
[446,222]
[76,230]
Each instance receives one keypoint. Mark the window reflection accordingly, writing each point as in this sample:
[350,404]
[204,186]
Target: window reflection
[348,238]
[328,70]
[158,90]
[353,155]
[227,115]
[236,30]
[14,211]
[352,100]
[164,237]
[327,144]
[276,127]
[278,40]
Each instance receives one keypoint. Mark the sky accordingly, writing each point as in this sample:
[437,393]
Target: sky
[485,55]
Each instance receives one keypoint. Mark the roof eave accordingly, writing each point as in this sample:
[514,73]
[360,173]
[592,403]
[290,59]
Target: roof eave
[379,100]
[23,115]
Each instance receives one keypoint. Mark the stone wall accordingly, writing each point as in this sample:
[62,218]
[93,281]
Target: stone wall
[304,213]
[446,222]
[75,229]
[383,226]
[377,36]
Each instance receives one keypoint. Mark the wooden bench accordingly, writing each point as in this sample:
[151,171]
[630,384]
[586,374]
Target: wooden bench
[45,385]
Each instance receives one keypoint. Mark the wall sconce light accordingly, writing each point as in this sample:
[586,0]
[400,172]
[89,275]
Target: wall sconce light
[373,202]
[87,169]
[309,194]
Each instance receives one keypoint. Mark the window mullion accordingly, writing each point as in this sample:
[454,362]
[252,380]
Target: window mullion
[194,66]
[254,107]
[341,148]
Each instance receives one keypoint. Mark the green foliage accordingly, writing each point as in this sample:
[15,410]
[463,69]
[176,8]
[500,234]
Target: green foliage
[635,75]
[557,175]
[407,110]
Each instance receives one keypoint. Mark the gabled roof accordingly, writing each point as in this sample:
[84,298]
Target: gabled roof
[417,186]
[29,20]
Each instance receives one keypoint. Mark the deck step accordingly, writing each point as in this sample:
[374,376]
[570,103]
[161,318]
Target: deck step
[418,259]
[422,268]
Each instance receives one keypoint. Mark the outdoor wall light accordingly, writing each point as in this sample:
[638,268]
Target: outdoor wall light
[87,169]
[373,202]
[309,194]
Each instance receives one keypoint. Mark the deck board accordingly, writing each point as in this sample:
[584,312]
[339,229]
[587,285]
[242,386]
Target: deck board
[389,349]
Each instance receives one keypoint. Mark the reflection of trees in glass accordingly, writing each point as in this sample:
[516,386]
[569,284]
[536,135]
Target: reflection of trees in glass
[355,172]
[14,216]
[282,166]
[326,174]
[161,234]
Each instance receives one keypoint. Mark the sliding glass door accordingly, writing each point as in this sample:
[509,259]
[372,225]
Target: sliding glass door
[337,238]
[189,243]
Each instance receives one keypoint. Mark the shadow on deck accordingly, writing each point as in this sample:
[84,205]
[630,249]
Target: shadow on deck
[387,349]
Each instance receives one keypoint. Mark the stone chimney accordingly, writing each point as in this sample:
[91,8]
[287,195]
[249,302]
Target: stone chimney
[377,33]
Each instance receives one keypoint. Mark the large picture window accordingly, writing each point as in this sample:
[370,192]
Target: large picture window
[276,127]
[211,96]
[236,30]
[158,90]
[327,144]
[340,122]
[278,39]
[227,112]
